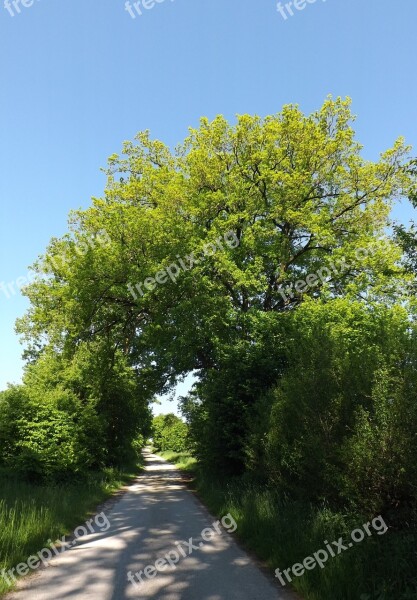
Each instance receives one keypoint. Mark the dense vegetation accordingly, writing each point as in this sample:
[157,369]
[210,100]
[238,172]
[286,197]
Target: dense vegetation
[260,257]
[169,432]
[71,416]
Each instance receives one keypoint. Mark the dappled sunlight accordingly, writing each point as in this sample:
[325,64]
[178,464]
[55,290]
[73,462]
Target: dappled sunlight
[148,523]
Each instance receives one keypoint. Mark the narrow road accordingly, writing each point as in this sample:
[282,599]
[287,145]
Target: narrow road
[156,512]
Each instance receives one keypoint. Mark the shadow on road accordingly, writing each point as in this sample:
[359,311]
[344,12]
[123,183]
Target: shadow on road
[157,511]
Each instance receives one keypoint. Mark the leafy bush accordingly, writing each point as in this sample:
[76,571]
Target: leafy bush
[70,417]
[344,415]
[170,433]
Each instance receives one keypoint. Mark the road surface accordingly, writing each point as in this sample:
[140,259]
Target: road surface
[155,513]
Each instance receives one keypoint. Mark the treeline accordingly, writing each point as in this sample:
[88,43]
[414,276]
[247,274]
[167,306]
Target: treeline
[169,432]
[301,334]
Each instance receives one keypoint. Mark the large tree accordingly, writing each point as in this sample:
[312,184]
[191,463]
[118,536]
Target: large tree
[291,193]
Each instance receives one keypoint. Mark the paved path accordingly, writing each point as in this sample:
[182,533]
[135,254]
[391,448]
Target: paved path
[156,512]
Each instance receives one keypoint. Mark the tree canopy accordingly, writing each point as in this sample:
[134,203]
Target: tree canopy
[195,260]
[292,189]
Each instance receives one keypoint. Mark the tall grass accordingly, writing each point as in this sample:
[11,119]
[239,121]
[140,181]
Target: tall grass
[30,515]
[282,533]
[183,460]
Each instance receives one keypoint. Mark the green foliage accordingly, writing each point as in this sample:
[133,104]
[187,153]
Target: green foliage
[381,470]
[169,432]
[407,240]
[223,405]
[70,417]
[183,460]
[292,190]
[293,194]
[42,440]
[310,393]
[344,415]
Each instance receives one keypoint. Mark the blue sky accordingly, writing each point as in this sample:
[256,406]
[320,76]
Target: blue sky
[81,76]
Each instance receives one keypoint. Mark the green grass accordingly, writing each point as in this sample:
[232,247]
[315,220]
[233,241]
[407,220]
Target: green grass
[282,533]
[183,460]
[32,514]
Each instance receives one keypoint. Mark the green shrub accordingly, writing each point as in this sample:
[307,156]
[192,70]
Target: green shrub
[170,433]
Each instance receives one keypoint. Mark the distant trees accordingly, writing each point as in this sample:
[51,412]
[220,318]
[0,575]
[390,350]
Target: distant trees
[169,432]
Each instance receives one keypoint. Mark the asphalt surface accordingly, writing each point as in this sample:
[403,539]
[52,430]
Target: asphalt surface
[144,525]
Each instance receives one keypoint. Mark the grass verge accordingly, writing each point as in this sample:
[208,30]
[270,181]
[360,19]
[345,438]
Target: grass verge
[282,533]
[183,460]
[30,515]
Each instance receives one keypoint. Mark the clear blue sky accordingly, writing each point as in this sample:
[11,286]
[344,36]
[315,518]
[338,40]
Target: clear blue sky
[81,76]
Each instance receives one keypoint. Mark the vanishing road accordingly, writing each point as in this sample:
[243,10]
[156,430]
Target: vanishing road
[145,523]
